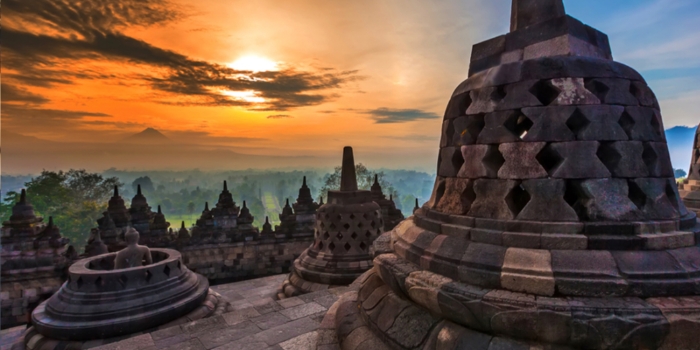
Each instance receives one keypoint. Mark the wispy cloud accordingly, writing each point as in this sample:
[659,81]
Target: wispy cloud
[279,116]
[392,116]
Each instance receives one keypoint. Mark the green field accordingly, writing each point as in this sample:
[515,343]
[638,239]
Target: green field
[176,220]
[272,208]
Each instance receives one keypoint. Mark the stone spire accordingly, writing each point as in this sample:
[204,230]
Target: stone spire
[245,217]
[140,214]
[376,189]
[304,210]
[267,227]
[95,246]
[23,212]
[320,201]
[690,188]
[117,210]
[183,235]
[526,13]
[287,210]
[348,179]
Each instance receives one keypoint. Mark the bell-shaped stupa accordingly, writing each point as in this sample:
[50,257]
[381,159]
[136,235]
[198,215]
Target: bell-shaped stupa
[346,226]
[555,221]
[690,188]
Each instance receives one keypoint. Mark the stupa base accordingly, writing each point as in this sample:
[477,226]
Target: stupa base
[421,310]
[214,304]
[295,285]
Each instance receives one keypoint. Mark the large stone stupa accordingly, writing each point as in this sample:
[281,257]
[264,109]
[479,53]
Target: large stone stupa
[690,188]
[555,221]
[345,228]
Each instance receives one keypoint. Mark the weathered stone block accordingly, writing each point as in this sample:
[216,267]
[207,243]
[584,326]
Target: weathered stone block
[458,197]
[573,160]
[490,199]
[549,124]
[598,123]
[624,158]
[587,273]
[528,271]
[520,160]
[608,200]
[481,265]
[546,201]
[572,91]
[450,161]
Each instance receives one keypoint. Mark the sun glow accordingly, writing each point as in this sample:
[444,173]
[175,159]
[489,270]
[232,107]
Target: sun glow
[254,63]
[247,96]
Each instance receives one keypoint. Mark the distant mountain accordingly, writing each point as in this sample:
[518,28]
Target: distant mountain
[149,136]
[680,145]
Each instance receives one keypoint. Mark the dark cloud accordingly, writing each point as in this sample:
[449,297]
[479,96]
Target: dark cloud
[203,137]
[19,117]
[11,93]
[279,116]
[390,116]
[93,30]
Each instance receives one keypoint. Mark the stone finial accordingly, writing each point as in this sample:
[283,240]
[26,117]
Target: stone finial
[116,191]
[206,206]
[159,211]
[183,225]
[138,190]
[23,197]
[225,186]
[416,207]
[320,201]
[304,183]
[244,205]
[528,12]
[348,178]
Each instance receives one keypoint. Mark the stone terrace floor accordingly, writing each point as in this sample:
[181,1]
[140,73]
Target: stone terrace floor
[259,322]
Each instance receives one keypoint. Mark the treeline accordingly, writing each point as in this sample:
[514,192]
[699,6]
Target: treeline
[76,199]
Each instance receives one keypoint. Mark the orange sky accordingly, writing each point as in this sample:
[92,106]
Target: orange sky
[373,74]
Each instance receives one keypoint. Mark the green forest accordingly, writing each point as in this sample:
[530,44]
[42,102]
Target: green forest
[76,198]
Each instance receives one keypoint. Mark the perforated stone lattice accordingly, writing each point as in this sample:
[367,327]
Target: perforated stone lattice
[346,233]
[566,132]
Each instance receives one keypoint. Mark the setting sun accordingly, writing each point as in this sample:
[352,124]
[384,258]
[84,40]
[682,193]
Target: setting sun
[254,63]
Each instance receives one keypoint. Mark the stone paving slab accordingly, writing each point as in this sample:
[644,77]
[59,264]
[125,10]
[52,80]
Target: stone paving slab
[259,322]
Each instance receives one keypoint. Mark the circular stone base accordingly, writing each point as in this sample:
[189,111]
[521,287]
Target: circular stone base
[214,304]
[294,286]
[422,310]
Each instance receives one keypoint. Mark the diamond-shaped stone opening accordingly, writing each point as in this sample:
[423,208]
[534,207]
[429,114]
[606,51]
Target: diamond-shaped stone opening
[352,216]
[650,157]
[457,159]
[463,102]
[577,122]
[326,236]
[493,160]
[467,197]
[99,281]
[523,126]
[373,224]
[322,225]
[549,159]
[609,156]
[498,94]
[122,280]
[627,123]
[363,246]
[598,89]
[360,225]
[440,191]
[368,234]
[572,197]
[179,265]
[148,275]
[346,226]
[545,92]
[339,217]
[672,194]
[636,92]
[80,282]
[320,245]
[637,195]
[339,235]
[166,270]
[347,247]
[354,235]
[332,227]
[449,132]
[475,125]
[517,199]
[331,247]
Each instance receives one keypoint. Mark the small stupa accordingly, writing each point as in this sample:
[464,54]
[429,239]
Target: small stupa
[345,228]
[690,187]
